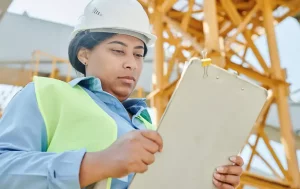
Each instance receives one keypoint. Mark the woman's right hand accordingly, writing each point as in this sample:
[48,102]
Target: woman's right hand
[132,153]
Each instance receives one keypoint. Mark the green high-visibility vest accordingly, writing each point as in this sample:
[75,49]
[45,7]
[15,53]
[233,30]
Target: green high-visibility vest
[73,120]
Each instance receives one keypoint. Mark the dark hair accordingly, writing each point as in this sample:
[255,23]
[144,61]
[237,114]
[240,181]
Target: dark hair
[87,40]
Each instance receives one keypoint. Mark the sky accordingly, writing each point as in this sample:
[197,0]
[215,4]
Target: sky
[59,11]
[288,38]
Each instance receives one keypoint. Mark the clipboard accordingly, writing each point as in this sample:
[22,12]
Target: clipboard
[207,120]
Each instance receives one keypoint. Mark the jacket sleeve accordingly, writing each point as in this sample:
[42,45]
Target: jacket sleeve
[24,162]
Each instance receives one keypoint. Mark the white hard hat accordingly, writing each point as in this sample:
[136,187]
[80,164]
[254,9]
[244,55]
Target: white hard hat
[116,16]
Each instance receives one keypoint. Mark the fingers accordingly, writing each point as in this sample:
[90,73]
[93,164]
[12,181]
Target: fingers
[228,176]
[154,136]
[237,160]
[149,145]
[230,169]
[232,180]
[147,157]
[221,185]
[140,167]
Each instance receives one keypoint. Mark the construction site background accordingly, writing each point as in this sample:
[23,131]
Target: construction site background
[257,39]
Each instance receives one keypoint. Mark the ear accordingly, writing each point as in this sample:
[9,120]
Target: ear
[83,56]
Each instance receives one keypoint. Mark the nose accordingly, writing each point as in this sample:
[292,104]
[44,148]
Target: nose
[130,63]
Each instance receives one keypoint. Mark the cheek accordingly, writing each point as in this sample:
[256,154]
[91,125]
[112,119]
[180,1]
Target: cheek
[102,64]
[140,68]
[95,61]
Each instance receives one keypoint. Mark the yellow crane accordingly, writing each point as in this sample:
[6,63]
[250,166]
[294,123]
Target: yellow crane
[186,27]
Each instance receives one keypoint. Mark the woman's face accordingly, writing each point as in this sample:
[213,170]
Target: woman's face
[117,62]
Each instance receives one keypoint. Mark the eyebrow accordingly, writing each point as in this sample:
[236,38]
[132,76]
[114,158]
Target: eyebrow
[123,44]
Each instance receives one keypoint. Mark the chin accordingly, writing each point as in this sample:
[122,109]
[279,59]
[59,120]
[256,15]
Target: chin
[123,94]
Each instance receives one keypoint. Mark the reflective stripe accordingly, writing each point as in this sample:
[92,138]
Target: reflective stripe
[105,184]
[147,124]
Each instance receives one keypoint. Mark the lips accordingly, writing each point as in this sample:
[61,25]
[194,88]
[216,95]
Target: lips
[128,78]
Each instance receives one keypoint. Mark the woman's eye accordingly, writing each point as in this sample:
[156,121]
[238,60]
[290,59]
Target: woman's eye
[139,55]
[119,51]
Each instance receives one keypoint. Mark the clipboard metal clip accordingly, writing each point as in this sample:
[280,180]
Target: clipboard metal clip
[205,63]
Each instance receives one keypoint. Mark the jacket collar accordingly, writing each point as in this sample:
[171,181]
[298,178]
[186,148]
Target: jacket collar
[94,85]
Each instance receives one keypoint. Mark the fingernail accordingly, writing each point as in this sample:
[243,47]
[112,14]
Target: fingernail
[232,158]
[217,175]
[215,182]
[220,169]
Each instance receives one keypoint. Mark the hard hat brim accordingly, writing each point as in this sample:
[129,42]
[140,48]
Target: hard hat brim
[148,38]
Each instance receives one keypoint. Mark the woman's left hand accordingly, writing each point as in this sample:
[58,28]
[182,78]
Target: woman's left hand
[228,176]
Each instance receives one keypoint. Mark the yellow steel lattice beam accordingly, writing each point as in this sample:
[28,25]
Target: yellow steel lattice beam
[281,96]
[228,28]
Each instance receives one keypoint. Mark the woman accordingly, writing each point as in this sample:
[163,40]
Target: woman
[70,135]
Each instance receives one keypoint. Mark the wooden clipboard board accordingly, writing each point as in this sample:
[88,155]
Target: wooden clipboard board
[207,120]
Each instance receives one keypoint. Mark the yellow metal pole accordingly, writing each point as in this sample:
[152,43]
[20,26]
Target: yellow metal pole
[210,25]
[167,5]
[186,18]
[280,90]
[260,182]
[211,31]
[159,62]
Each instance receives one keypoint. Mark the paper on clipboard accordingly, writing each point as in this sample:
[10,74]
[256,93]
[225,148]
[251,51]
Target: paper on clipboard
[207,120]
